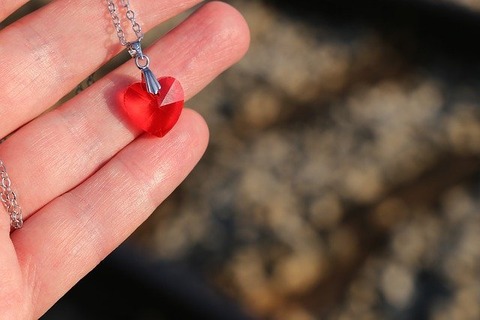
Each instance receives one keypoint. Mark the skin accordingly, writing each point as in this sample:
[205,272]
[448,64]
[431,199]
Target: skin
[85,178]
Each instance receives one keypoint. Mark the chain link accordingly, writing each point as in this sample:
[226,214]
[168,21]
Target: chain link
[134,47]
[117,23]
[9,198]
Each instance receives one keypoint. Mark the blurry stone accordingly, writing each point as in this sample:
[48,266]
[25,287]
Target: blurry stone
[463,129]
[261,109]
[363,293]
[457,205]
[326,212]
[397,285]
[363,185]
[248,271]
[413,241]
[299,272]
[389,213]
[343,245]
[173,237]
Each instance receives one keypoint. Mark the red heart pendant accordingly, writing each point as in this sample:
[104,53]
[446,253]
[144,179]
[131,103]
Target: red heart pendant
[155,114]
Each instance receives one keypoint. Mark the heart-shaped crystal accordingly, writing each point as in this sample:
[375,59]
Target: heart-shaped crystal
[155,114]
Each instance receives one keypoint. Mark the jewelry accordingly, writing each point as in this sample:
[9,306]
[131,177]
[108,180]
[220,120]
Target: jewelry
[9,198]
[153,105]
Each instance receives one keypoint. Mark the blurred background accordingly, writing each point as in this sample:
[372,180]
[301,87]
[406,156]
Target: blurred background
[341,180]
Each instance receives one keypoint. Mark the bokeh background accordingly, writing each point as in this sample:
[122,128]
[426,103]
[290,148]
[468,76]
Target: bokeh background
[341,180]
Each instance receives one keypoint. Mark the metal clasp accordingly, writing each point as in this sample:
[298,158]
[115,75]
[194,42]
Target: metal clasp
[143,62]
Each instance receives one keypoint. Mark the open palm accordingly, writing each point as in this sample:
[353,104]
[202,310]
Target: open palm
[85,178]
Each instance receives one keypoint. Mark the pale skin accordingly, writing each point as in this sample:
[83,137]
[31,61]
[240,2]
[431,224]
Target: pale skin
[86,179]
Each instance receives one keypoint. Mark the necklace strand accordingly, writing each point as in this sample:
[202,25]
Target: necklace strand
[9,198]
[134,47]
[117,23]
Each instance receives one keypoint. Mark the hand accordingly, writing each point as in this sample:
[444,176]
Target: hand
[85,178]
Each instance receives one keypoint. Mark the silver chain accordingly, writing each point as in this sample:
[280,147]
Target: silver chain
[134,48]
[117,23]
[9,198]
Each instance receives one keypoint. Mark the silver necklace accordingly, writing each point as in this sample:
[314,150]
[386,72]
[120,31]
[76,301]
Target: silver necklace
[9,198]
[134,48]
[153,105]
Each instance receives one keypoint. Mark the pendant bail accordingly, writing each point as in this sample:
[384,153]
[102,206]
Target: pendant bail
[151,82]
[143,62]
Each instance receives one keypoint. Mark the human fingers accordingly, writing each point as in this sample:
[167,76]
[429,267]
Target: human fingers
[57,151]
[74,232]
[54,48]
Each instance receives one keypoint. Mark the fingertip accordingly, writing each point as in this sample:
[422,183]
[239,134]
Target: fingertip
[197,128]
[231,25]
[221,30]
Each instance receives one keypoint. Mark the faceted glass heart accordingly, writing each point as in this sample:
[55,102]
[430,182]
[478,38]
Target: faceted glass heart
[155,114]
